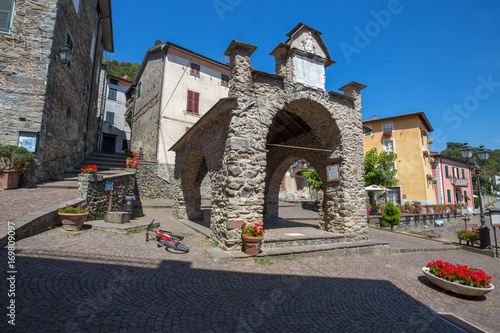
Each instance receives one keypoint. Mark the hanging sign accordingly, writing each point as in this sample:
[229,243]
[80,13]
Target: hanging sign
[110,186]
[495,217]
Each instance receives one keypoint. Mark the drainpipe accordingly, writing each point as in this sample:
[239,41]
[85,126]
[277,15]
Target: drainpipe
[159,105]
[103,110]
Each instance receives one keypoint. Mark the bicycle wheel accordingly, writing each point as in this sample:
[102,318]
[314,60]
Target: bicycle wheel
[176,246]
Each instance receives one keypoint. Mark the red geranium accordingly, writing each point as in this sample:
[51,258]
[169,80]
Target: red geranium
[465,275]
[90,169]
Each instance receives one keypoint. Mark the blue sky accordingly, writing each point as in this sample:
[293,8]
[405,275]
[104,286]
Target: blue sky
[439,57]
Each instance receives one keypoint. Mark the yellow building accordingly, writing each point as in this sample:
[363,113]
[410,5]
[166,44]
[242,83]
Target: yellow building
[408,136]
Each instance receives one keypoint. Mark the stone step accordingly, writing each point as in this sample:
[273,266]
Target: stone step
[300,240]
[66,184]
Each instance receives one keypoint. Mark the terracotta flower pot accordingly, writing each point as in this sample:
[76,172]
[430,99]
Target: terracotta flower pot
[252,245]
[455,287]
[73,222]
[9,179]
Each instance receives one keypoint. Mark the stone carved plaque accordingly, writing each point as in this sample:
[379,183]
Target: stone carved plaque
[308,71]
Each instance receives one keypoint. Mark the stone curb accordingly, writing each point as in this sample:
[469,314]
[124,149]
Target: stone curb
[36,222]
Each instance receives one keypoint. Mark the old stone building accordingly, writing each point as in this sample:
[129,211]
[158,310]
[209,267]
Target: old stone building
[175,87]
[246,142]
[50,54]
[113,127]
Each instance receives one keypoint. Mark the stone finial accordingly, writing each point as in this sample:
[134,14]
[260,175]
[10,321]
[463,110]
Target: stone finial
[157,42]
[240,47]
[353,90]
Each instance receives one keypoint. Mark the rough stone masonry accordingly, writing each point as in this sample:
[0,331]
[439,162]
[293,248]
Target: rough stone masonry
[247,141]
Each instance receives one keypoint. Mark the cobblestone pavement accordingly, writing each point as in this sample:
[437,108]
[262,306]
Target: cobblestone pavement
[94,281]
[22,201]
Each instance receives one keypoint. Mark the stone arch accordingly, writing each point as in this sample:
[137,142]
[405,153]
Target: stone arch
[302,128]
[194,170]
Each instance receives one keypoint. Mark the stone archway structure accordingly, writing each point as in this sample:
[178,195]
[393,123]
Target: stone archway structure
[247,141]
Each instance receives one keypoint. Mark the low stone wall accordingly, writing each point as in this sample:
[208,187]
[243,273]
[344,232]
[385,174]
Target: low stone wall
[149,184]
[97,198]
[423,222]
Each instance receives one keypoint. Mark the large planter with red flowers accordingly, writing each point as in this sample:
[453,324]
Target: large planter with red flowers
[73,222]
[484,286]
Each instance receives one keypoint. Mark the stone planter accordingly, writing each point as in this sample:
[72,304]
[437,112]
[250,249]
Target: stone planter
[9,179]
[251,245]
[455,287]
[73,222]
[131,170]
[90,177]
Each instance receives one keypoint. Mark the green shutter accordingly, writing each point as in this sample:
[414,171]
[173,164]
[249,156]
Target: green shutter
[110,117]
[6,7]
[463,173]
[112,94]
[448,192]
[139,85]
[446,171]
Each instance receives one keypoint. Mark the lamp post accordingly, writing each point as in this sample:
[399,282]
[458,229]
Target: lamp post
[483,154]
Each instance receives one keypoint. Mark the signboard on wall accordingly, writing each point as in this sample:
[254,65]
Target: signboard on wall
[495,217]
[28,141]
[332,173]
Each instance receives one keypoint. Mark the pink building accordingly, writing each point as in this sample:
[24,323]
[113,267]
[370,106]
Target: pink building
[453,181]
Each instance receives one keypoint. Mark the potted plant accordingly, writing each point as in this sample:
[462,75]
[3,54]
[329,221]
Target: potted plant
[459,279]
[14,161]
[424,132]
[132,164]
[73,217]
[387,133]
[252,235]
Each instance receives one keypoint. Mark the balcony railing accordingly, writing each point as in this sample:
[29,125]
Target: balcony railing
[459,182]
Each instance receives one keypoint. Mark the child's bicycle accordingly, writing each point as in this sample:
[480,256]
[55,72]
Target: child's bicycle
[167,239]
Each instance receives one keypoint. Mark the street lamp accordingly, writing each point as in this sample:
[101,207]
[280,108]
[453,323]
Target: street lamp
[483,154]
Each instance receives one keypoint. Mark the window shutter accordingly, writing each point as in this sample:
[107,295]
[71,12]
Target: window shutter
[463,173]
[448,192]
[190,101]
[446,171]
[5,14]
[196,104]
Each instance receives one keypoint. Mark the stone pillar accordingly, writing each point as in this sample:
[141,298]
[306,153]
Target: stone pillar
[240,82]
[353,90]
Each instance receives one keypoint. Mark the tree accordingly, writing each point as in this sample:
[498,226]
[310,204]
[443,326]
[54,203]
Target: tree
[373,176]
[391,214]
[313,180]
[119,69]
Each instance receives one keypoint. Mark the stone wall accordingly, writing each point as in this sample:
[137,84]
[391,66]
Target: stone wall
[423,222]
[147,107]
[149,185]
[39,94]
[97,198]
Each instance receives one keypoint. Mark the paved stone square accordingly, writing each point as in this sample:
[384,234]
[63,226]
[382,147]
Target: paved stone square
[96,281]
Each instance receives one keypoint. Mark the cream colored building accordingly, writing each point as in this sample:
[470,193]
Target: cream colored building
[175,87]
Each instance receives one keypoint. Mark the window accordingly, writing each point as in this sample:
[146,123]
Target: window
[112,94]
[224,80]
[195,69]
[113,81]
[463,173]
[110,117]
[368,133]
[6,10]
[389,146]
[300,183]
[69,45]
[193,102]
[92,48]
[448,195]
[446,171]
[466,198]
[139,87]
[388,127]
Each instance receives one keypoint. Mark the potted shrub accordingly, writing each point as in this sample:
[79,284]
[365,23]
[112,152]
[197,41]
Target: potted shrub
[73,217]
[131,165]
[387,133]
[14,161]
[89,173]
[391,214]
[252,235]
[462,280]
[418,207]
